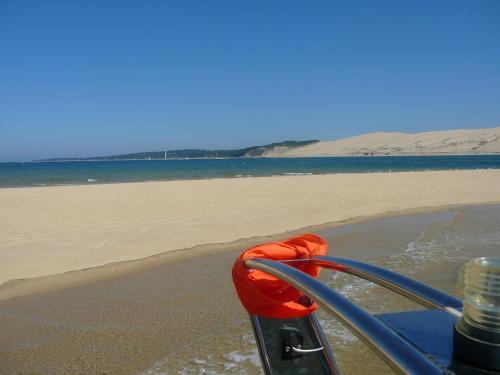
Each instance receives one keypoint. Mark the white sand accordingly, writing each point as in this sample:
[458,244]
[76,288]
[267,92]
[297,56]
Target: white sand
[463,141]
[48,230]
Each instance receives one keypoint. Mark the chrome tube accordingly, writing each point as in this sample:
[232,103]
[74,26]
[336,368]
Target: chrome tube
[397,353]
[259,337]
[414,290]
[330,358]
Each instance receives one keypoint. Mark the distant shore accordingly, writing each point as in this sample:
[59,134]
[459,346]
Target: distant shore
[432,143]
[50,230]
[446,142]
[270,156]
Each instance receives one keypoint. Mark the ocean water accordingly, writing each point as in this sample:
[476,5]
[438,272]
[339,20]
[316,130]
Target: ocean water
[92,172]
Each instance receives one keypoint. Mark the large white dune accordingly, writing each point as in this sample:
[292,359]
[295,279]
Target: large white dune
[463,141]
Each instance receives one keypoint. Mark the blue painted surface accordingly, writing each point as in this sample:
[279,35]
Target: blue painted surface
[430,331]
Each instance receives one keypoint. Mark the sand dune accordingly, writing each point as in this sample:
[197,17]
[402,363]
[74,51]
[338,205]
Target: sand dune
[48,230]
[464,141]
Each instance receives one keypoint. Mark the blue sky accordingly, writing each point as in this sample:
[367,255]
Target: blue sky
[82,78]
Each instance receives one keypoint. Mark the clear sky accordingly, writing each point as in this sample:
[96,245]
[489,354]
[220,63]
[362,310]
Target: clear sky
[83,78]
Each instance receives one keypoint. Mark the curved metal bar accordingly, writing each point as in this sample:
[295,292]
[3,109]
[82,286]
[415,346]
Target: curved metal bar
[397,353]
[407,287]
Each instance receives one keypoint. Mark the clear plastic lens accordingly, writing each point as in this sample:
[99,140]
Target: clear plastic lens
[482,293]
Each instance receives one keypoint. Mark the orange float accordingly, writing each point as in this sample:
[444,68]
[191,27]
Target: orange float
[265,295]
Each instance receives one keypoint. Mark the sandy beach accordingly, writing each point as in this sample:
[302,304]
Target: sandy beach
[50,230]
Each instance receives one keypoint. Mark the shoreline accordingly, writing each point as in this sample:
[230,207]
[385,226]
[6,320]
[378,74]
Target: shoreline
[57,230]
[240,177]
[79,277]
[267,157]
[88,177]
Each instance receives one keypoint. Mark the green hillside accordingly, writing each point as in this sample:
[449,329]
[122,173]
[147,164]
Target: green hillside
[254,151]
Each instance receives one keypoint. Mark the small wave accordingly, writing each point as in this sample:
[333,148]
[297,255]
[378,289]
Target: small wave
[91,180]
[244,361]
[335,331]
[355,289]
[297,174]
[237,357]
[243,175]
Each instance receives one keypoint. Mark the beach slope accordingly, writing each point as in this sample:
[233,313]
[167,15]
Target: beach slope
[49,230]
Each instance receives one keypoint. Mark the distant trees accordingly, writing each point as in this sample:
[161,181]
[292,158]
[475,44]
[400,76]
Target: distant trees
[254,151]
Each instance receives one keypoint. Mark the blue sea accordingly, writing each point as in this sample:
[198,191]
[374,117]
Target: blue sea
[95,172]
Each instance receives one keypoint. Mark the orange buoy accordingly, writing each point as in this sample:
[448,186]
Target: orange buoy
[265,295]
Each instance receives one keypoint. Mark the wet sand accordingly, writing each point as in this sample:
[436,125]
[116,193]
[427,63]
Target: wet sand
[179,314]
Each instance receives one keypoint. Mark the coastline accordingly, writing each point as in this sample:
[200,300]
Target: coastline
[238,177]
[73,278]
[85,233]
[84,173]
[271,157]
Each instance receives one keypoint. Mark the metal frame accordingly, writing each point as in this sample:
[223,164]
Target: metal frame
[324,342]
[414,290]
[261,345]
[396,352]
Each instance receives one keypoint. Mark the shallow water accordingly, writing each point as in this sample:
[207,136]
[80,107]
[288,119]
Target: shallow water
[182,317]
[430,247]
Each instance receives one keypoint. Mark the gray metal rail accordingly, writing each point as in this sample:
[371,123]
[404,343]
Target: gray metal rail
[414,290]
[396,352]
